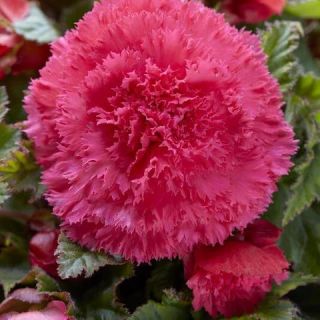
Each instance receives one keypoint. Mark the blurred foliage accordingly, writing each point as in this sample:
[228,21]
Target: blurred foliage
[36,26]
[304,9]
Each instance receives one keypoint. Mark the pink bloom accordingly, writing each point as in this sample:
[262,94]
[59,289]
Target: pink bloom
[28,304]
[252,11]
[41,251]
[233,278]
[156,135]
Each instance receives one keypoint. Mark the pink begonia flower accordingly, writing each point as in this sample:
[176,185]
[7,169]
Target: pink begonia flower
[28,304]
[252,11]
[156,135]
[233,278]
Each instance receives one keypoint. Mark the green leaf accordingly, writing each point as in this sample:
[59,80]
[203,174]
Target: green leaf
[306,189]
[165,275]
[21,172]
[308,87]
[36,26]
[13,267]
[275,211]
[9,140]
[13,231]
[101,295]
[3,103]
[36,277]
[22,202]
[300,241]
[16,86]
[178,299]
[296,280]
[301,111]
[279,41]
[156,311]
[75,261]
[272,309]
[306,59]
[304,9]
[45,283]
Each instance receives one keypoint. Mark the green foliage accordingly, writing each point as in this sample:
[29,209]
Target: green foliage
[16,86]
[306,189]
[302,110]
[165,275]
[296,280]
[279,41]
[75,261]
[273,309]
[100,299]
[21,173]
[12,177]
[36,26]
[304,9]
[309,87]
[13,250]
[300,241]
[178,299]
[13,254]
[9,138]
[156,311]
[45,283]
[13,231]
[13,267]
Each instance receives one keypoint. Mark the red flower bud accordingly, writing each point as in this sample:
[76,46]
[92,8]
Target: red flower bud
[41,251]
[233,278]
[31,56]
[252,11]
